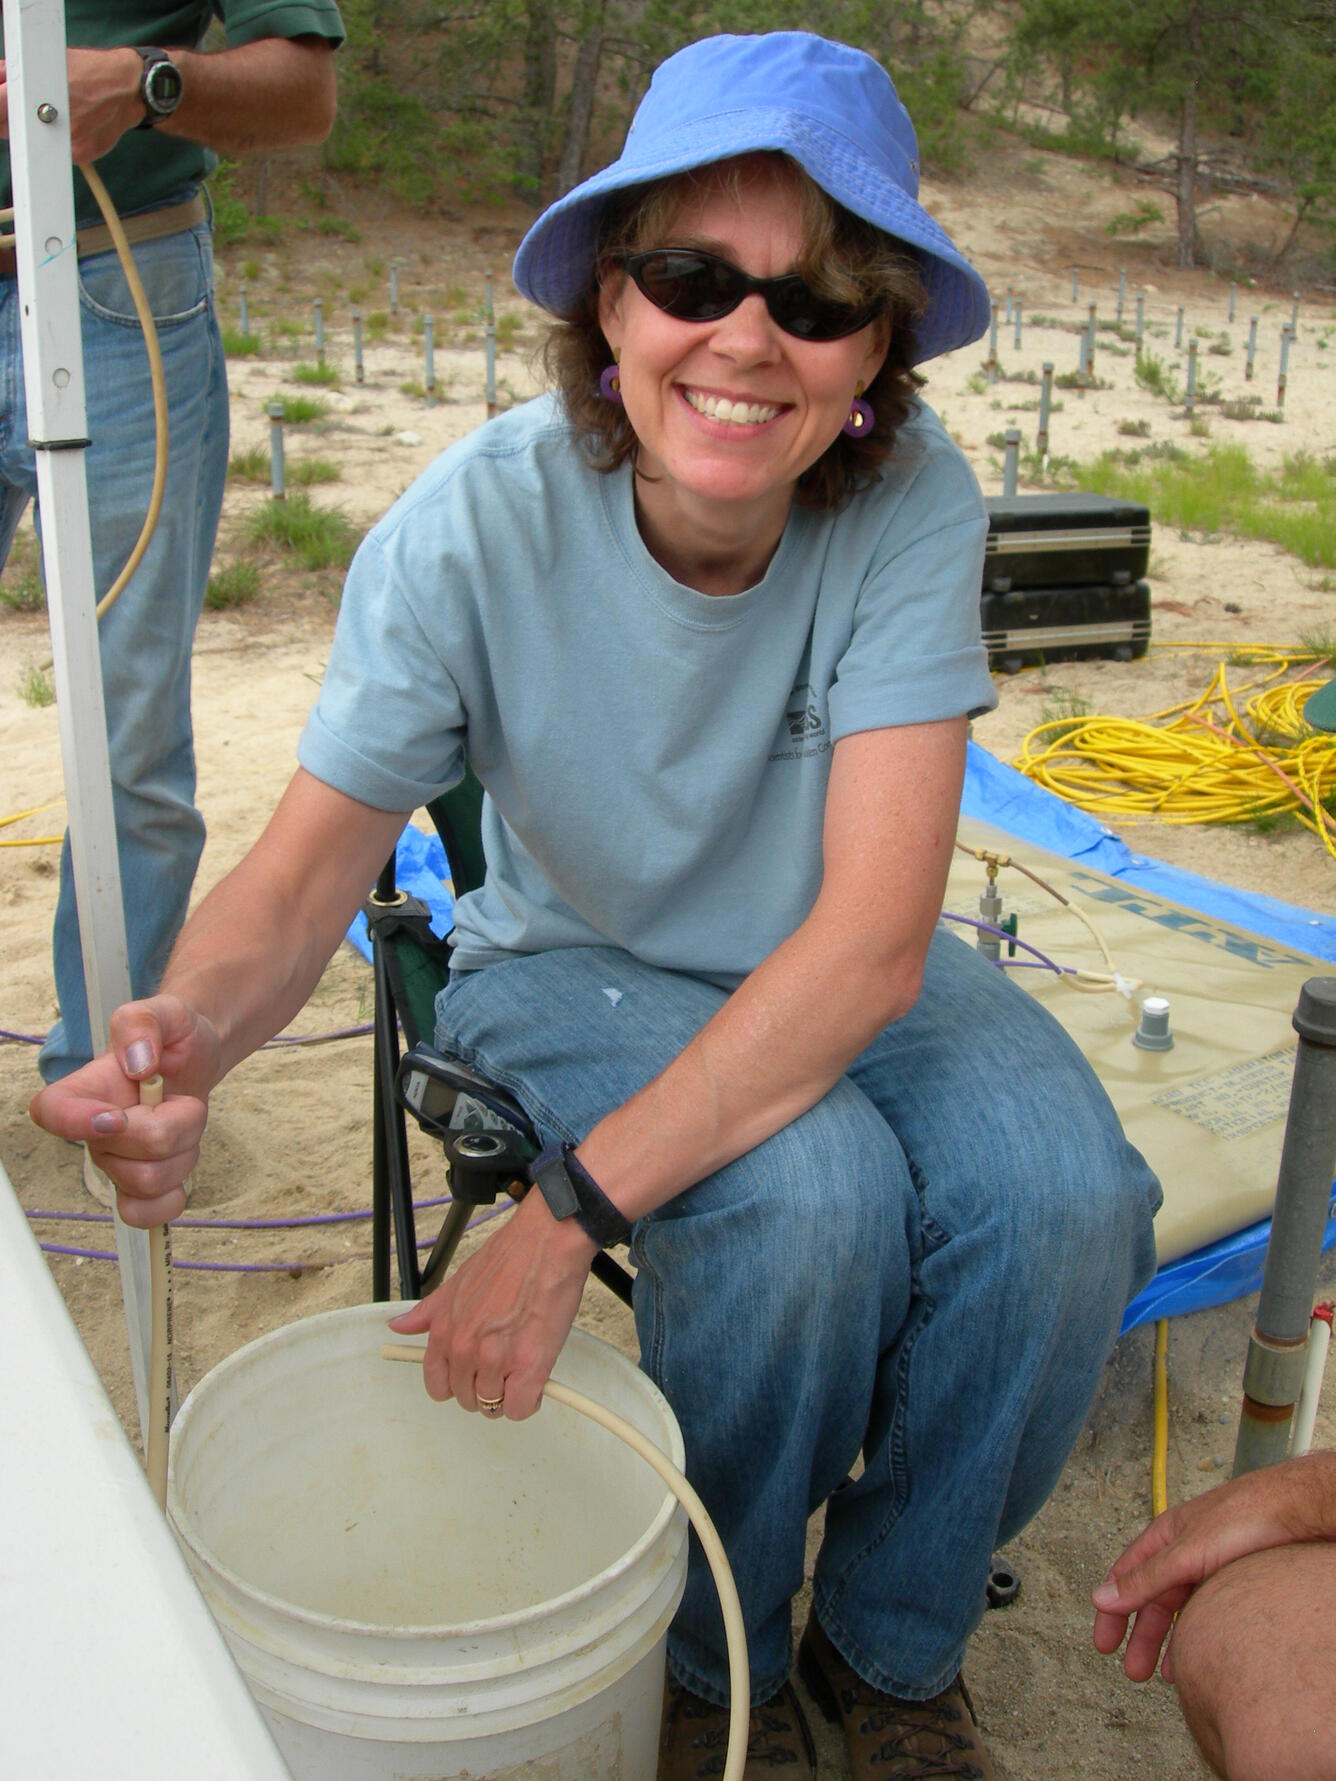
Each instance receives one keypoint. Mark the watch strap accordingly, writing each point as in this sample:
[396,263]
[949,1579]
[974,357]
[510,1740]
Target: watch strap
[149,55]
[571,1192]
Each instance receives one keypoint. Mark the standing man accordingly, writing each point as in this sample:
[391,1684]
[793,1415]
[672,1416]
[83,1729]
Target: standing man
[150,108]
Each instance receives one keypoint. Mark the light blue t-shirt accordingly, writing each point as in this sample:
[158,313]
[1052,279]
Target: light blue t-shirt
[655,759]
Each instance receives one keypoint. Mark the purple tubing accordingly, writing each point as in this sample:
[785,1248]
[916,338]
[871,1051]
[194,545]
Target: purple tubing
[240,1224]
[332,1261]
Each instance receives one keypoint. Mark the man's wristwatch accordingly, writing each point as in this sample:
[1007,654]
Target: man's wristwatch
[160,86]
[571,1192]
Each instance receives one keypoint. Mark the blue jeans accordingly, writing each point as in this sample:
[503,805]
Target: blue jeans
[147,635]
[927,1268]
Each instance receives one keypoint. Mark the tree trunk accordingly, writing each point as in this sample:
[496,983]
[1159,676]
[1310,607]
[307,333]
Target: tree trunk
[540,88]
[1187,178]
[580,110]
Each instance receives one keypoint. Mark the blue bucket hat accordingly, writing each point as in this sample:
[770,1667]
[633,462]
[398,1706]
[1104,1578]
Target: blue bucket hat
[831,108]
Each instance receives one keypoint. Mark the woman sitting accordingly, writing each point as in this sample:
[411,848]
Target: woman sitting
[706,623]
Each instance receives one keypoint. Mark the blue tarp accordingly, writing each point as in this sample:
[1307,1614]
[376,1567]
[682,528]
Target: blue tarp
[997,794]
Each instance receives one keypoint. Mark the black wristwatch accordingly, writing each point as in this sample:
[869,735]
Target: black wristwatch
[571,1192]
[160,86]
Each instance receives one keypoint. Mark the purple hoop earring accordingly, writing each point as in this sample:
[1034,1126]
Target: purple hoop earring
[611,385]
[861,417]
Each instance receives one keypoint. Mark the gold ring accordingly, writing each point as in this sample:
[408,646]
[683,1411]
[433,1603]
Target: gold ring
[491,1406]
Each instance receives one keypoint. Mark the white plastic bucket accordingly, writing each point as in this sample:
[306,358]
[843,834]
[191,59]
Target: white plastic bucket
[415,1592]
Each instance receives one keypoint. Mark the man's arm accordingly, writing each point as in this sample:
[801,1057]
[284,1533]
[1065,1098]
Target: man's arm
[1277,1506]
[276,93]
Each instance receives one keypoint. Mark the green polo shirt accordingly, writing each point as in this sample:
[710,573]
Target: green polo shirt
[146,166]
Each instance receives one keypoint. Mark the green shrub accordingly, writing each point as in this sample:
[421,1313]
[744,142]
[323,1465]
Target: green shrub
[238,345]
[298,410]
[326,376]
[35,687]
[233,585]
[319,537]
[249,466]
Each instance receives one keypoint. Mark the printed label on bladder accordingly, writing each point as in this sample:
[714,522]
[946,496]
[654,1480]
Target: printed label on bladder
[1237,1101]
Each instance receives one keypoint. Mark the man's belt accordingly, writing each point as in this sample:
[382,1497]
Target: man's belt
[149,225]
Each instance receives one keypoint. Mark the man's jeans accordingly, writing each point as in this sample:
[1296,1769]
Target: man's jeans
[146,637]
[929,1268]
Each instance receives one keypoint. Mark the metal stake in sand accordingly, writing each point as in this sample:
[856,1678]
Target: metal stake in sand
[1285,338]
[1007,312]
[1045,405]
[1233,292]
[1252,348]
[429,356]
[1016,317]
[319,331]
[1090,326]
[276,487]
[489,348]
[394,288]
[1122,293]
[1083,355]
[1178,330]
[1141,320]
[1076,287]
[1190,394]
[1294,316]
[1011,460]
[1274,1370]
[991,366]
[245,312]
[357,344]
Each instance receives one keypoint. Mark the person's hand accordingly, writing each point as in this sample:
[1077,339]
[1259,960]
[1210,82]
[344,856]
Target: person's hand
[147,1151]
[104,99]
[497,1324]
[1154,1577]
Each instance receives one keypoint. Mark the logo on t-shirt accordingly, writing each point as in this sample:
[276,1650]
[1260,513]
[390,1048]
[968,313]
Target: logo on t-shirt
[803,731]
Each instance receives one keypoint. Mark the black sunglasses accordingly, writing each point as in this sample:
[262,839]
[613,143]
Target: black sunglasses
[693,286]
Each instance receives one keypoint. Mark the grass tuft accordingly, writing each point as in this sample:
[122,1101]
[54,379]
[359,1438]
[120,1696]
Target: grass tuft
[237,345]
[319,537]
[326,376]
[234,585]
[35,687]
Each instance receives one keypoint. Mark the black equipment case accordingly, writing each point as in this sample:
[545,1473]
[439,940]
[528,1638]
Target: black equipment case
[1051,623]
[1064,541]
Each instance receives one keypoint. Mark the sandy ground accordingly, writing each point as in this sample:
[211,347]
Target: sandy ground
[289,1133]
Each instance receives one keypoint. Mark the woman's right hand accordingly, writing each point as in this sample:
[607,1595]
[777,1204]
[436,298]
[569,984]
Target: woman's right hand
[148,1152]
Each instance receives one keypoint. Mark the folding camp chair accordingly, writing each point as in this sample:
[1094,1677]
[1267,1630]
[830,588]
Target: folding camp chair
[486,1135]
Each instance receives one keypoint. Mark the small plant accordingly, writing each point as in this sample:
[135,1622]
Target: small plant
[24,593]
[306,471]
[1222,348]
[411,387]
[1199,426]
[337,225]
[234,585]
[326,376]
[509,327]
[1075,380]
[976,383]
[319,537]
[1321,645]
[1249,408]
[1134,429]
[1064,709]
[378,324]
[237,345]
[1132,222]
[289,330]
[249,466]
[1153,375]
[35,688]
[298,410]
[250,270]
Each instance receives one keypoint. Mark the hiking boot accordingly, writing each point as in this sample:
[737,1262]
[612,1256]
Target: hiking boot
[890,1739]
[695,1738]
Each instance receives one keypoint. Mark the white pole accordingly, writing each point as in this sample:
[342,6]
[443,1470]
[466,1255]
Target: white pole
[39,135]
[1305,1411]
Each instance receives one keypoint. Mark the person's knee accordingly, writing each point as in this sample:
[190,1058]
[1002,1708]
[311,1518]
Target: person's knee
[1252,1653]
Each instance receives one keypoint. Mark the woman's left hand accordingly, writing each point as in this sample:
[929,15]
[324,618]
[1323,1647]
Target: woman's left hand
[497,1324]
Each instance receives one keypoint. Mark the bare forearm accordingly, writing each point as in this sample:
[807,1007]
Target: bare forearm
[278,93]
[246,964]
[743,1078]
